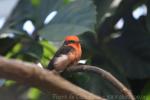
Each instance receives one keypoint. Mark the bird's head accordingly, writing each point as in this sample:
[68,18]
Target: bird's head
[72,40]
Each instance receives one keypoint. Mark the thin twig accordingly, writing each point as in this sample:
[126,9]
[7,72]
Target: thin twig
[106,75]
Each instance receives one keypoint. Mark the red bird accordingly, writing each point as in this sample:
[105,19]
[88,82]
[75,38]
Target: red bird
[69,54]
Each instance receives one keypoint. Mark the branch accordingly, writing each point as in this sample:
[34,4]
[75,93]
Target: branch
[31,74]
[106,75]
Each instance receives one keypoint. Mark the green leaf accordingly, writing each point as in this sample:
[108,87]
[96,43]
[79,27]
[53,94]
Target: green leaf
[145,95]
[14,50]
[35,10]
[26,49]
[48,52]
[33,94]
[6,44]
[148,15]
[68,1]
[35,2]
[34,50]
[71,19]
[104,9]
[74,17]
[132,48]
[9,83]
[53,33]
[88,44]
[22,13]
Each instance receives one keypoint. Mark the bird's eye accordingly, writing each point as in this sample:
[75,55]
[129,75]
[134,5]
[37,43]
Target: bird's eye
[71,41]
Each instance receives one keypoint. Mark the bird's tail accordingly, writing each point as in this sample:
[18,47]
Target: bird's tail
[50,66]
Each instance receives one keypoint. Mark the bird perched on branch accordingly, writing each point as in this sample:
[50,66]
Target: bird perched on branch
[68,54]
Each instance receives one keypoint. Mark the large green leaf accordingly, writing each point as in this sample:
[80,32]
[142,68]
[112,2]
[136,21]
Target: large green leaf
[103,7]
[57,32]
[35,11]
[26,49]
[148,15]
[21,13]
[88,44]
[132,48]
[6,44]
[48,52]
[72,18]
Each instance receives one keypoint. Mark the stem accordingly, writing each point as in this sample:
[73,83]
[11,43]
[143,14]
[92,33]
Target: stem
[106,75]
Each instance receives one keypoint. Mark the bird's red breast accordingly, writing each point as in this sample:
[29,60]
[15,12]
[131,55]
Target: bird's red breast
[68,54]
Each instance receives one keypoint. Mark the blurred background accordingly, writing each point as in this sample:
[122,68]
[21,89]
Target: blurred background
[115,36]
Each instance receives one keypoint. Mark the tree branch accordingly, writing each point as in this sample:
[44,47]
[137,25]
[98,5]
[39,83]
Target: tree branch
[106,75]
[31,74]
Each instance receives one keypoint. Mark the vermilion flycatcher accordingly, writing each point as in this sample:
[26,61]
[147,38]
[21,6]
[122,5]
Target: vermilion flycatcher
[68,54]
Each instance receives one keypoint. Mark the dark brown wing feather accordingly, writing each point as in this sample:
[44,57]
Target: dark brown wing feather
[62,50]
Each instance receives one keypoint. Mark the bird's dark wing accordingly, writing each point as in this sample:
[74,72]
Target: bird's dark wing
[61,51]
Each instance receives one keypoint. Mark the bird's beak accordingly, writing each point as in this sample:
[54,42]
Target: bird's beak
[80,41]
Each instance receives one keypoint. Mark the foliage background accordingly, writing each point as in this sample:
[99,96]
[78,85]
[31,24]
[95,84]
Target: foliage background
[124,51]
